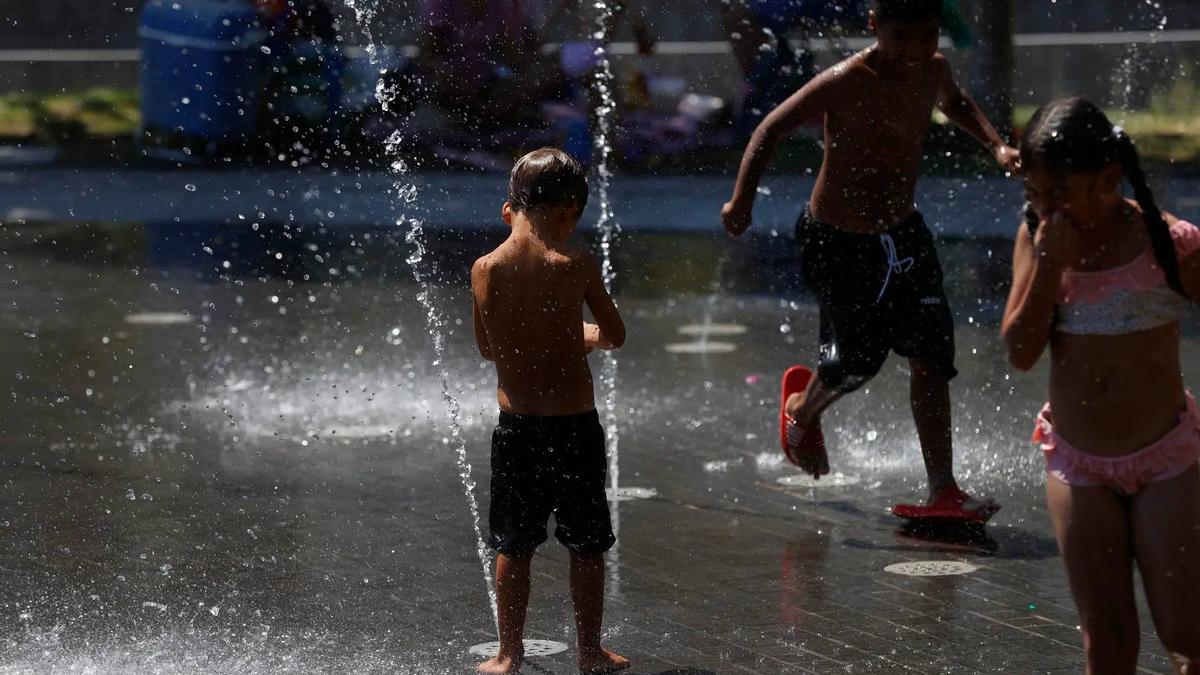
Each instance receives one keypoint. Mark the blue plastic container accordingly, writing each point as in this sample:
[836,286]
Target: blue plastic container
[203,67]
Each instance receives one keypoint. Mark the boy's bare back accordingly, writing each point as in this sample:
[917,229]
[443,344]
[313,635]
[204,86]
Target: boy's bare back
[529,296]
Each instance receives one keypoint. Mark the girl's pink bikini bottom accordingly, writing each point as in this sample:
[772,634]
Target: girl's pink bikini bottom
[1166,458]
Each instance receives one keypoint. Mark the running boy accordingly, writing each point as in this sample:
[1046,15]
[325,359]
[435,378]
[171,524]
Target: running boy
[548,448]
[865,250]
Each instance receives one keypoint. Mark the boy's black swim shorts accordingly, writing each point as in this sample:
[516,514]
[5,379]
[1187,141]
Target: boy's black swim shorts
[878,293]
[543,465]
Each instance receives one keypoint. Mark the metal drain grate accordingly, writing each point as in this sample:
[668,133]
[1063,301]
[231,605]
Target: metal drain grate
[711,329]
[801,480]
[533,648]
[931,568]
[706,347]
[625,494]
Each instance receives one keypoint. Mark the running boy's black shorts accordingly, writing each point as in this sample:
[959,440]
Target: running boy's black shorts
[878,293]
[543,465]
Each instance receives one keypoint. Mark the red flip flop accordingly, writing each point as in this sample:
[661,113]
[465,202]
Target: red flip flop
[795,381]
[947,507]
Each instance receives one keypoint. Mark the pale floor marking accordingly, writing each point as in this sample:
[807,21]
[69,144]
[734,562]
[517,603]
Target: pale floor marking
[358,431]
[803,480]
[705,347]
[626,494]
[158,318]
[720,329]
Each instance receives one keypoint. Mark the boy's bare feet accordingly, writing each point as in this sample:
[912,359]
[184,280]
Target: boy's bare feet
[501,665]
[595,662]
[814,460]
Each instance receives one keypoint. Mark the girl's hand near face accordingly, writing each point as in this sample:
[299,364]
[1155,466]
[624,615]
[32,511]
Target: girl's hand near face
[1056,240]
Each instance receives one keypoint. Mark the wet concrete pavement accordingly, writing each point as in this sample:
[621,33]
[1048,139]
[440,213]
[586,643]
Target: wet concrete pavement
[238,460]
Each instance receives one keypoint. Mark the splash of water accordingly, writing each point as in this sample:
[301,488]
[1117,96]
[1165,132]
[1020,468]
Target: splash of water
[435,318]
[176,649]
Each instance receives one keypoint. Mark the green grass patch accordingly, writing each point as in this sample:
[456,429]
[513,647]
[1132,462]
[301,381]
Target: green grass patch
[1168,132]
[100,113]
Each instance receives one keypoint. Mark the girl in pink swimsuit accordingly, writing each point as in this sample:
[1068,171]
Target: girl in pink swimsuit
[1104,281]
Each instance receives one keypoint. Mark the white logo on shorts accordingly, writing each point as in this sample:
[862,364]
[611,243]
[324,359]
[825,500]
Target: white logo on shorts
[931,301]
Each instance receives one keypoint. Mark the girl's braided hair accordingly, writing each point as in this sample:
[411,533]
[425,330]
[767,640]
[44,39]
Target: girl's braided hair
[1075,136]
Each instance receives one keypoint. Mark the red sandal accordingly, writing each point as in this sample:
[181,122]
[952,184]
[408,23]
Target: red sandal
[811,441]
[948,506]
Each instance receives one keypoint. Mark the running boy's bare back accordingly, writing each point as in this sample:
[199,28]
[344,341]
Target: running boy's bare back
[548,448]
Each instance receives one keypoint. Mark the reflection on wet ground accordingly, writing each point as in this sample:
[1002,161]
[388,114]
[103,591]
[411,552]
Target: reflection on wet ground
[225,450]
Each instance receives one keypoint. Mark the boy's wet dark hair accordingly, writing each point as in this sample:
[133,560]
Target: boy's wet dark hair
[547,177]
[907,11]
[1073,135]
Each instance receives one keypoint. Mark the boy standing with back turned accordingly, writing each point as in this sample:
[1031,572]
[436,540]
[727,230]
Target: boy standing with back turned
[865,250]
[548,448]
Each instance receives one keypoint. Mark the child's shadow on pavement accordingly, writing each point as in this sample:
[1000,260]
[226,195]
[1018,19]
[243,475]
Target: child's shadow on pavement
[1003,543]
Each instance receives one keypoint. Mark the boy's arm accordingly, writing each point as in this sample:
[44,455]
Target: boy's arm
[610,329]
[481,339]
[806,105]
[963,111]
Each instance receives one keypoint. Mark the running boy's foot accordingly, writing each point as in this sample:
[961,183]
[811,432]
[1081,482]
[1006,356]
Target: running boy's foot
[500,665]
[803,443]
[601,661]
[949,504]
[806,445]
[982,508]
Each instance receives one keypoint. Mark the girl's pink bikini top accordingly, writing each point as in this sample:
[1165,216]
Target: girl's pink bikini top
[1126,299]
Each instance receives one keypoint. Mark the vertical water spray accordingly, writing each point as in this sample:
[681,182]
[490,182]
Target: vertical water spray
[435,318]
[710,303]
[1132,65]
[606,225]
